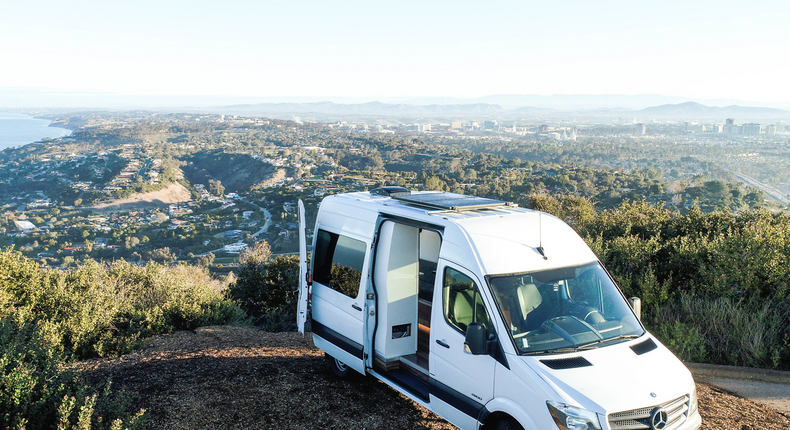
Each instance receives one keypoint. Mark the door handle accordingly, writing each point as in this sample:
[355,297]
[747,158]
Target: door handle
[356,306]
[443,343]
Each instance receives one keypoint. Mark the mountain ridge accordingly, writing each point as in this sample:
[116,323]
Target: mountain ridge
[687,109]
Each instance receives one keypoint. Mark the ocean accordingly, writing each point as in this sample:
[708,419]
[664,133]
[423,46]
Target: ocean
[18,129]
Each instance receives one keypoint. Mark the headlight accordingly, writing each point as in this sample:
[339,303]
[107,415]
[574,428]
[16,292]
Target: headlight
[573,418]
[693,402]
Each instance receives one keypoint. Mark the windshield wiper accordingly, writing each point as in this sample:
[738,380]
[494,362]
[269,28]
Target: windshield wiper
[621,337]
[582,347]
[561,350]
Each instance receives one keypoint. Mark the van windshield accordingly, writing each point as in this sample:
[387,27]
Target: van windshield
[563,309]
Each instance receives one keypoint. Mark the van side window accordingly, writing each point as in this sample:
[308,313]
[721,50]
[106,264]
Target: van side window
[338,262]
[459,293]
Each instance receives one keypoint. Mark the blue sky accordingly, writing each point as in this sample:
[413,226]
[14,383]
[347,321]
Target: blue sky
[377,50]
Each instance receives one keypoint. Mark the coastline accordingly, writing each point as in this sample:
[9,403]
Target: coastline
[21,129]
[72,124]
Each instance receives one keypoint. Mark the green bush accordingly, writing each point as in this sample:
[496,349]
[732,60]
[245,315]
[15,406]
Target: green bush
[684,340]
[715,287]
[265,289]
[51,317]
[107,309]
[36,392]
[734,332]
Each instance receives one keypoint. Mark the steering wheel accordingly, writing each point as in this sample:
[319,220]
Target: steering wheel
[583,311]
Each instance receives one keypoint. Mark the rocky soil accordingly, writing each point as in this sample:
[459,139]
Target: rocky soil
[243,378]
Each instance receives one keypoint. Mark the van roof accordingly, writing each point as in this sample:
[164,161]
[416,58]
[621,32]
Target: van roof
[449,201]
[504,237]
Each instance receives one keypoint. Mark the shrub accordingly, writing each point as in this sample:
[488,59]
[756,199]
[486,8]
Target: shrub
[50,317]
[714,286]
[265,291]
[36,392]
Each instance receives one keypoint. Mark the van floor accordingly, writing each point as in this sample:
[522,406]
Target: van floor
[409,372]
[409,381]
[416,363]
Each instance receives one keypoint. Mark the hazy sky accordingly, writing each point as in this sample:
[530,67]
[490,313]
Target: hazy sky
[373,49]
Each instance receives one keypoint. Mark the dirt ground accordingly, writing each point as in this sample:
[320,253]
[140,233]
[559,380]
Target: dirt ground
[174,193]
[243,378]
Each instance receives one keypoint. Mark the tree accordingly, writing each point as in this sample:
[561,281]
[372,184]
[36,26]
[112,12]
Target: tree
[161,255]
[215,187]
[434,183]
[205,261]
[67,261]
[130,242]
[256,256]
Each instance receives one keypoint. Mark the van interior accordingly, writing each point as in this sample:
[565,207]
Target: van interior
[404,277]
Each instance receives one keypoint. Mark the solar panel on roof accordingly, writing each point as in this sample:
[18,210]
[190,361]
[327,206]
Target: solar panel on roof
[450,201]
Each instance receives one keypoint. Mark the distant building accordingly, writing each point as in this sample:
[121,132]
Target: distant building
[693,127]
[751,129]
[731,128]
[640,129]
[235,248]
[491,125]
[24,226]
[770,129]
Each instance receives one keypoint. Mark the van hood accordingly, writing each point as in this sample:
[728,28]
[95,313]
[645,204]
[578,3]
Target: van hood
[618,379]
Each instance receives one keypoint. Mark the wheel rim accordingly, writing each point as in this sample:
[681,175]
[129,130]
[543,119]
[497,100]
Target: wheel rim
[340,365]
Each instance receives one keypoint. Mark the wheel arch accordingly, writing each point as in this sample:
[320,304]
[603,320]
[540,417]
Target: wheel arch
[499,409]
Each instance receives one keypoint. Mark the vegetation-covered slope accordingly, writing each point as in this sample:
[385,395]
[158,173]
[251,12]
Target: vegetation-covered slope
[50,317]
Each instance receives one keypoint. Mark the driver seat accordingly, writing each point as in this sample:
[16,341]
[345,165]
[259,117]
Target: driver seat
[529,298]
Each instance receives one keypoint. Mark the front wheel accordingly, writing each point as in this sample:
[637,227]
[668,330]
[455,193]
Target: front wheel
[507,424]
[339,368]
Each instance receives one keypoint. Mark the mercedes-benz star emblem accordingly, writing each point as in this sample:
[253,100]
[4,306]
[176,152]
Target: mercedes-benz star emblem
[659,419]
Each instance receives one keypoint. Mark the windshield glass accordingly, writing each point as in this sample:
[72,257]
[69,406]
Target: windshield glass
[566,308]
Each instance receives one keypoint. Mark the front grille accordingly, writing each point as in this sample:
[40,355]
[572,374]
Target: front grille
[640,418]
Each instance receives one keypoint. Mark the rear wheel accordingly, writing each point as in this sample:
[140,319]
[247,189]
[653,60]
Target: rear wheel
[507,424]
[339,368]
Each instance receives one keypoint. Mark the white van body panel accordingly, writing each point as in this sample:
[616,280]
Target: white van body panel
[478,243]
[510,247]
[608,386]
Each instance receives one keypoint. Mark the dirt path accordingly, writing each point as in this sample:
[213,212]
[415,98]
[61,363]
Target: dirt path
[240,377]
[174,193]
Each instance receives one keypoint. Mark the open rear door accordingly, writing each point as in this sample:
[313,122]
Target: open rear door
[301,312]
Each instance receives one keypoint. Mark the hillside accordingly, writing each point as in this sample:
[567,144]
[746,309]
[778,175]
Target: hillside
[239,377]
[237,172]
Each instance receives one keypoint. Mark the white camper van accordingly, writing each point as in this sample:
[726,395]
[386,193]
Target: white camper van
[490,315]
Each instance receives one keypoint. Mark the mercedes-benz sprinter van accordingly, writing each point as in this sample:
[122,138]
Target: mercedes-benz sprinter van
[490,315]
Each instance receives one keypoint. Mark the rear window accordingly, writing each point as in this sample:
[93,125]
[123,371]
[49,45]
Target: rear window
[338,262]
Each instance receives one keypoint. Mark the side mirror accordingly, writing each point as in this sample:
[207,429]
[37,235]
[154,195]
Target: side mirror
[476,342]
[636,305]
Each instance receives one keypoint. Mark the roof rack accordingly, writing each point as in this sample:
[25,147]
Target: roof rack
[450,201]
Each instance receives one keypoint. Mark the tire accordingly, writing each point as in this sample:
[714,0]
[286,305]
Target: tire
[507,423]
[340,369]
